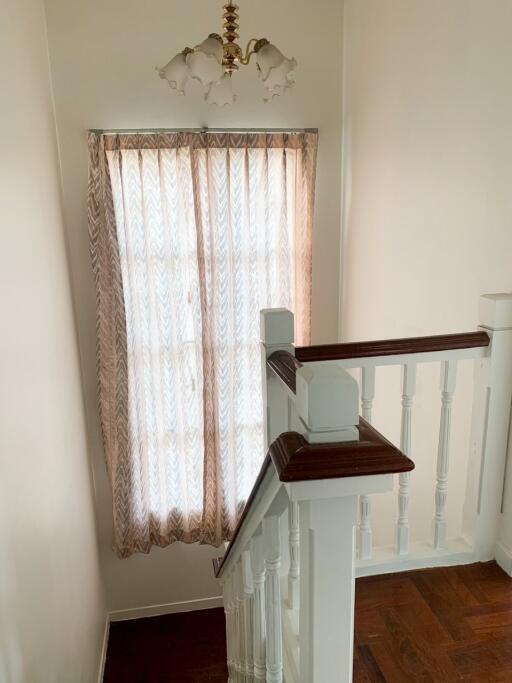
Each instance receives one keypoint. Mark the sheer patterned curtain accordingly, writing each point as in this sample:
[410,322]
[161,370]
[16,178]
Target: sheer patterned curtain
[191,235]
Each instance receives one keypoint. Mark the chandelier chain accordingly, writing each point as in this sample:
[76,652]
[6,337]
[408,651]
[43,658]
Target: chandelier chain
[231,23]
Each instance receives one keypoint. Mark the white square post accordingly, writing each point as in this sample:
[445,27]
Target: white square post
[489,489]
[328,518]
[327,403]
[327,589]
[277,334]
[328,408]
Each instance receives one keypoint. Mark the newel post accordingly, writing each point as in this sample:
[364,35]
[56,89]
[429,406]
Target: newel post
[277,333]
[488,480]
[328,408]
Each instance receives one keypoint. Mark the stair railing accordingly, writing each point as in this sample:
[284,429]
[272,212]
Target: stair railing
[288,574]
[486,532]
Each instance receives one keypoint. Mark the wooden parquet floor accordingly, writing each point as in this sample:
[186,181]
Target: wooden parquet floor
[444,624]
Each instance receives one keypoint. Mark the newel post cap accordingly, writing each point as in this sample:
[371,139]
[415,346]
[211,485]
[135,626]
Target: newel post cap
[495,311]
[277,326]
[327,397]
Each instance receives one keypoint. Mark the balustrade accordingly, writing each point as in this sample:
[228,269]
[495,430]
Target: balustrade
[288,575]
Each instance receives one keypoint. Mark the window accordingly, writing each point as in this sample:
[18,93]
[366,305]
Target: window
[209,229]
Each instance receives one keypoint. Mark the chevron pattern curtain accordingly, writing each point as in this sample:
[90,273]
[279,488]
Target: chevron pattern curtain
[191,234]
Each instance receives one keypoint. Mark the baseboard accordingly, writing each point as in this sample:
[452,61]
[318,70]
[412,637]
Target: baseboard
[421,556]
[504,557]
[168,608]
[104,649]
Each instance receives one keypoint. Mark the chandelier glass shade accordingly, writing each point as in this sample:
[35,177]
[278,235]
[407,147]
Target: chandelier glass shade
[214,61]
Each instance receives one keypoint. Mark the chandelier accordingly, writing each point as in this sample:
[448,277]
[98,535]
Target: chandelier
[214,61]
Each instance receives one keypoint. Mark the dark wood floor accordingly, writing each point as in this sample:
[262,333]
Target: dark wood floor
[177,648]
[450,624]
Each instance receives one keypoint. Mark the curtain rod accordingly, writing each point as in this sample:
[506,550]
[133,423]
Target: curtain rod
[204,129]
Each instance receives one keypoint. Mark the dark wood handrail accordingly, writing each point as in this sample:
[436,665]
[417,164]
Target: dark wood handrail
[285,365]
[392,347]
[267,462]
[295,459]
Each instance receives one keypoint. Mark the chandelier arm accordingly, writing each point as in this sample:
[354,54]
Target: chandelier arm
[249,51]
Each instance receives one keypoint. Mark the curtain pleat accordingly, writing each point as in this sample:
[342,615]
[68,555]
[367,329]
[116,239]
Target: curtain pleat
[191,235]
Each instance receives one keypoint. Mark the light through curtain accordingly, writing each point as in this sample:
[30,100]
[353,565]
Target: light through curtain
[199,232]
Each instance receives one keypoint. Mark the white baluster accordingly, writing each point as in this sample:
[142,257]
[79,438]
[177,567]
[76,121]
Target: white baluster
[448,378]
[235,637]
[272,549]
[240,620]
[364,532]
[236,655]
[294,571]
[408,389]
[258,613]
[228,606]
[248,592]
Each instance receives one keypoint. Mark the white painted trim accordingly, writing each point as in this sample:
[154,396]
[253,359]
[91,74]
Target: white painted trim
[167,608]
[504,557]
[339,488]
[103,656]
[421,556]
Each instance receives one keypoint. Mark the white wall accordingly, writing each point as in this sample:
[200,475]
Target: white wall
[103,56]
[52,608]
[428,206]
